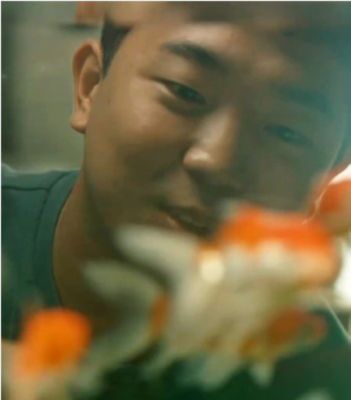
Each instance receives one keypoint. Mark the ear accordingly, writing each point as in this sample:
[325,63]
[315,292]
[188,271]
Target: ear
[87,74]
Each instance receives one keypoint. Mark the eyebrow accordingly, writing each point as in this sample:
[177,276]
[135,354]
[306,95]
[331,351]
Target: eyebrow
[312,99]
[212,61]
[198,54]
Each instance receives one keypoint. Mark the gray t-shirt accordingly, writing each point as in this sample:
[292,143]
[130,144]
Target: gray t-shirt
[31,204]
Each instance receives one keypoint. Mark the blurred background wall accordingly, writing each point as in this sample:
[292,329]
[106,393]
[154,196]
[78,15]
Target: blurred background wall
[38,42]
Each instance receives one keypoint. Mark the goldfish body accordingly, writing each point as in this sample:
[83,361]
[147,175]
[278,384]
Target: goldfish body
[334,209]
[246,294]
[46,357]
[239,299]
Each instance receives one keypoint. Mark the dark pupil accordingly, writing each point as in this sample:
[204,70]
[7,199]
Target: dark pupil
[287,135]
[188,94]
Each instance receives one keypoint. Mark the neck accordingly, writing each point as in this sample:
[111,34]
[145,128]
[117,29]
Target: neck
[78,240]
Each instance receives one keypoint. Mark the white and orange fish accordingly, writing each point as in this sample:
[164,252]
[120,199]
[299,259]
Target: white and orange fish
[261,269]
[334,207]
[45,360]
[241,299]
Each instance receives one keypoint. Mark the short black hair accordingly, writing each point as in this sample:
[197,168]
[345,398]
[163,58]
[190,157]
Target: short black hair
[112,36]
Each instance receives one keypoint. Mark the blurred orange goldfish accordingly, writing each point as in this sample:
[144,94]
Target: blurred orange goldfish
[242,298]
[334,207]
[285,237]
[46,357]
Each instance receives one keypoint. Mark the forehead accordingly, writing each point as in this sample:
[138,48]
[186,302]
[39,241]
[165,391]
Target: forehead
[265,40]
[272,36]
[295,13]
[306,21]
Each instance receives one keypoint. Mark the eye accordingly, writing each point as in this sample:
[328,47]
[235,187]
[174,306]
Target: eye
[185,93]
[288,135]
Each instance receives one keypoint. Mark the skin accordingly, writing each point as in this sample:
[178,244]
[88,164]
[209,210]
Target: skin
[164,132]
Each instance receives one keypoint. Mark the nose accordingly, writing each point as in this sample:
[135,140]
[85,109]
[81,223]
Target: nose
[213,157]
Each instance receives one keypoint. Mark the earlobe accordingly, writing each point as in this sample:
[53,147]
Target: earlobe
[87,74]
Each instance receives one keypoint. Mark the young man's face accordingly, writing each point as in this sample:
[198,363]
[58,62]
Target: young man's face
[192,113]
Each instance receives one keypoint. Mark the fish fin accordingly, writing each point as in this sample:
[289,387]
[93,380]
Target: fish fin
[161,360]
[262,373]
[319,394]
[116,281]
[211,371]
[168,252]
[110,351]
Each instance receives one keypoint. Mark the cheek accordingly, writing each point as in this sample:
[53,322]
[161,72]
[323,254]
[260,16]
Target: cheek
[282,181]
[142,133]
[131,136]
